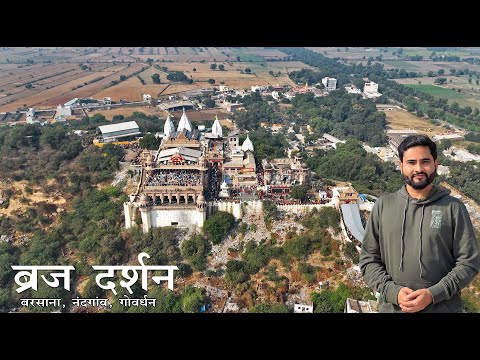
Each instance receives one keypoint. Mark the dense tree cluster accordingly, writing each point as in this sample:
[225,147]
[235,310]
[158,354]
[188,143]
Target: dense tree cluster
[333,300]
[350,162]
[341,115]
[266,144]
[179,76]
[218,226]
[258,111]
[454,114]
[34,153]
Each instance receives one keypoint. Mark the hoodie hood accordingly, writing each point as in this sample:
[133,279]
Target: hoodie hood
[436,193]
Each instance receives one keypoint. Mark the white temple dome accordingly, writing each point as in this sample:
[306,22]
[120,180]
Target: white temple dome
[247,145]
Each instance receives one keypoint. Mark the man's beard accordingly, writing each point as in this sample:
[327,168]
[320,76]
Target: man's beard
[420,185]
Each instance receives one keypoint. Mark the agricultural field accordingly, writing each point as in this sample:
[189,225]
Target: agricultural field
[46,77]
[109,114]
[425,66]
[401,64]
[400,119]
[66,89]
[351,53]
[391,61]
[358,53]
[469,95]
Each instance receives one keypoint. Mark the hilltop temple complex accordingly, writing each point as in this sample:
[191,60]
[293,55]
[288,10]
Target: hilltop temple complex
[182,182]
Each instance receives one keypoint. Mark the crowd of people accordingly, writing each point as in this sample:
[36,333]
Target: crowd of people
[188,177]
[215,180]
[260,178]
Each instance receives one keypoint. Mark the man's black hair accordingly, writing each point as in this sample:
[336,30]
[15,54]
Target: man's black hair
[417,140]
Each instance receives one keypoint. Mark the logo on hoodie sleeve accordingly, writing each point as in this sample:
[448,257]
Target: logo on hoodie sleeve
[436,222]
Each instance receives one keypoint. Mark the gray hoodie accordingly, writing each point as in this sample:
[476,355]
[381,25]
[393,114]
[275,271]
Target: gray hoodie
[427,243]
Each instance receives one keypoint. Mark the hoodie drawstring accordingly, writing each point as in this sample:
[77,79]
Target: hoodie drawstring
[402,239]
[402,245]
[420,251]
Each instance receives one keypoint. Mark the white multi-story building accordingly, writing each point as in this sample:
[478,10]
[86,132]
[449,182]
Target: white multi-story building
[302,308]
[329,83]
[352,89]
[370,90]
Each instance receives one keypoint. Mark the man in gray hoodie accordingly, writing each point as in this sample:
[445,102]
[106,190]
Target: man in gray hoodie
[419,248]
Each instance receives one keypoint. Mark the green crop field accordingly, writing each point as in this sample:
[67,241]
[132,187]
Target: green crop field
[437,91]
[464,98]
[400,64]
[245,56]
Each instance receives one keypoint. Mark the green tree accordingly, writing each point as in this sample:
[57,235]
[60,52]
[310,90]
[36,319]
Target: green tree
[221,67]
[444,145]
[248,70]
[218,226]
[195,250]
[209,103]
[97,119]
[269,308]
[243,228]
[149,142]
[92,290]
[53,136]
[193,299]
[236,273]
[269,211]
[6,300]
[351,251]
[156,78]
[6,261]
[440,81]
[298,247]
[167,301]
[213,66]
[299,192]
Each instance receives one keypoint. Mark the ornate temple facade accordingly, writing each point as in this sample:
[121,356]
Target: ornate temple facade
[188,167]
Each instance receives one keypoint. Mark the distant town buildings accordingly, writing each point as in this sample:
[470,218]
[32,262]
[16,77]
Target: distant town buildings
[461,155]
[451,137]
[333,140]
[125,131]
[352,89]
[233,107]
[302,308]
[62,113]
[357,306]
[259,88]
[370,90]
[329,83]
[280,175]
[175,105]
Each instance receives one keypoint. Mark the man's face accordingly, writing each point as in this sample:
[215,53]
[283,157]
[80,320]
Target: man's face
[418,167]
